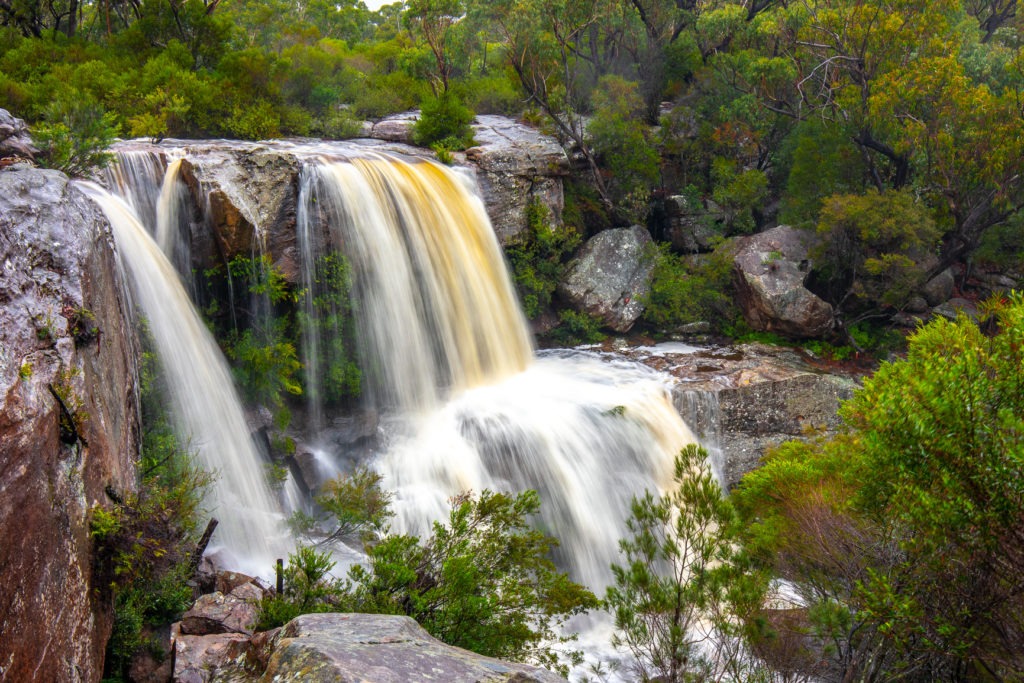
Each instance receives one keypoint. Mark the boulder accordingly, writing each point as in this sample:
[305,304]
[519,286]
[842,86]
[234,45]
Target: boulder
[396,128]
[57,257]
[236,612]
[611,276]
[770,270]
[939,289]
[954,307]
[381,648]
[690,227]
[516,165]
[197,658]
[15,141]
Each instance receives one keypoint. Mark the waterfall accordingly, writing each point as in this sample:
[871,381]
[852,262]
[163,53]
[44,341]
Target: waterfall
[171,221]
[137,177]
[437,311]
[446,357]
[702,411]
[449,361]
[208,415]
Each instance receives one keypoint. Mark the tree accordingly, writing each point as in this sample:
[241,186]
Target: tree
[433,21]
[483,581]
[672,593]
[872,252]
[545,45]
[904,535]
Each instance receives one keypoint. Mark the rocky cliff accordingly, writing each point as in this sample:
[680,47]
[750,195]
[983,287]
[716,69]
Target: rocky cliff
[744,399]
[68,424]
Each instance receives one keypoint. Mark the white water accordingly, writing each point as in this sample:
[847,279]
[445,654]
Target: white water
[448,362]
[448,357]
[436,310]
[203,398]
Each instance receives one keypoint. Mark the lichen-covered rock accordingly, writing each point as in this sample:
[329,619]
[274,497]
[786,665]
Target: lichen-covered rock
[219,613]
[198,658]
[689,227]
[348,648]
[516,165]
[611,276]
[954,307]
[770,270]
[396,128]
[15,140]
[63,324]
[939,289]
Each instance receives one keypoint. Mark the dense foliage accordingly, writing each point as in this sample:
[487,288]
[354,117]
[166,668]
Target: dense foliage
[891,128]
[902,536]
[484,581]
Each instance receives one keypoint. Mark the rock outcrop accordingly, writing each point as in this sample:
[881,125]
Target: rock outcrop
[746,398]
[689,226]
[68,425]
[383,649]
[15,141]
[395,128]
[610,277]
[516,165]
[770,270]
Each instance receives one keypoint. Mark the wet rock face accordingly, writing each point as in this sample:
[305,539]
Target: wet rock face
[770,269]
[381,648]
[63,324]
[247,193]
[610,277]
[515,165]
[747,398]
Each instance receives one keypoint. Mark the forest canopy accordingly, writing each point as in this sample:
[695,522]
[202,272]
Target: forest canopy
[829,115]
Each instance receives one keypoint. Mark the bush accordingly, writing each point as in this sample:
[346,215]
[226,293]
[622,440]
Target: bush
[144,543]
[903,535]
[681,570]
[538,259]
[352,507]
[483,581]
[575,328]
[444,119]
[75,137]
[872,250]
[690,289]
[309,587]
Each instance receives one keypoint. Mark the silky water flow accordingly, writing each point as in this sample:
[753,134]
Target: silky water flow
[464,402]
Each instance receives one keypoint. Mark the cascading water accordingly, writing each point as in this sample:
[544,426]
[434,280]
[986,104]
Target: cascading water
[436,309]
[137,177]
[172,230]
[449,361]
[207,408]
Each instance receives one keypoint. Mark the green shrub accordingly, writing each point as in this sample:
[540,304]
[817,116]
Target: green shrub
[144,542]
[337,366]
[351,507]
[75,137]
[444,119]
[680,574]
[483,581]
[575,328]
[538,259]
[690,289]
[309,587]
